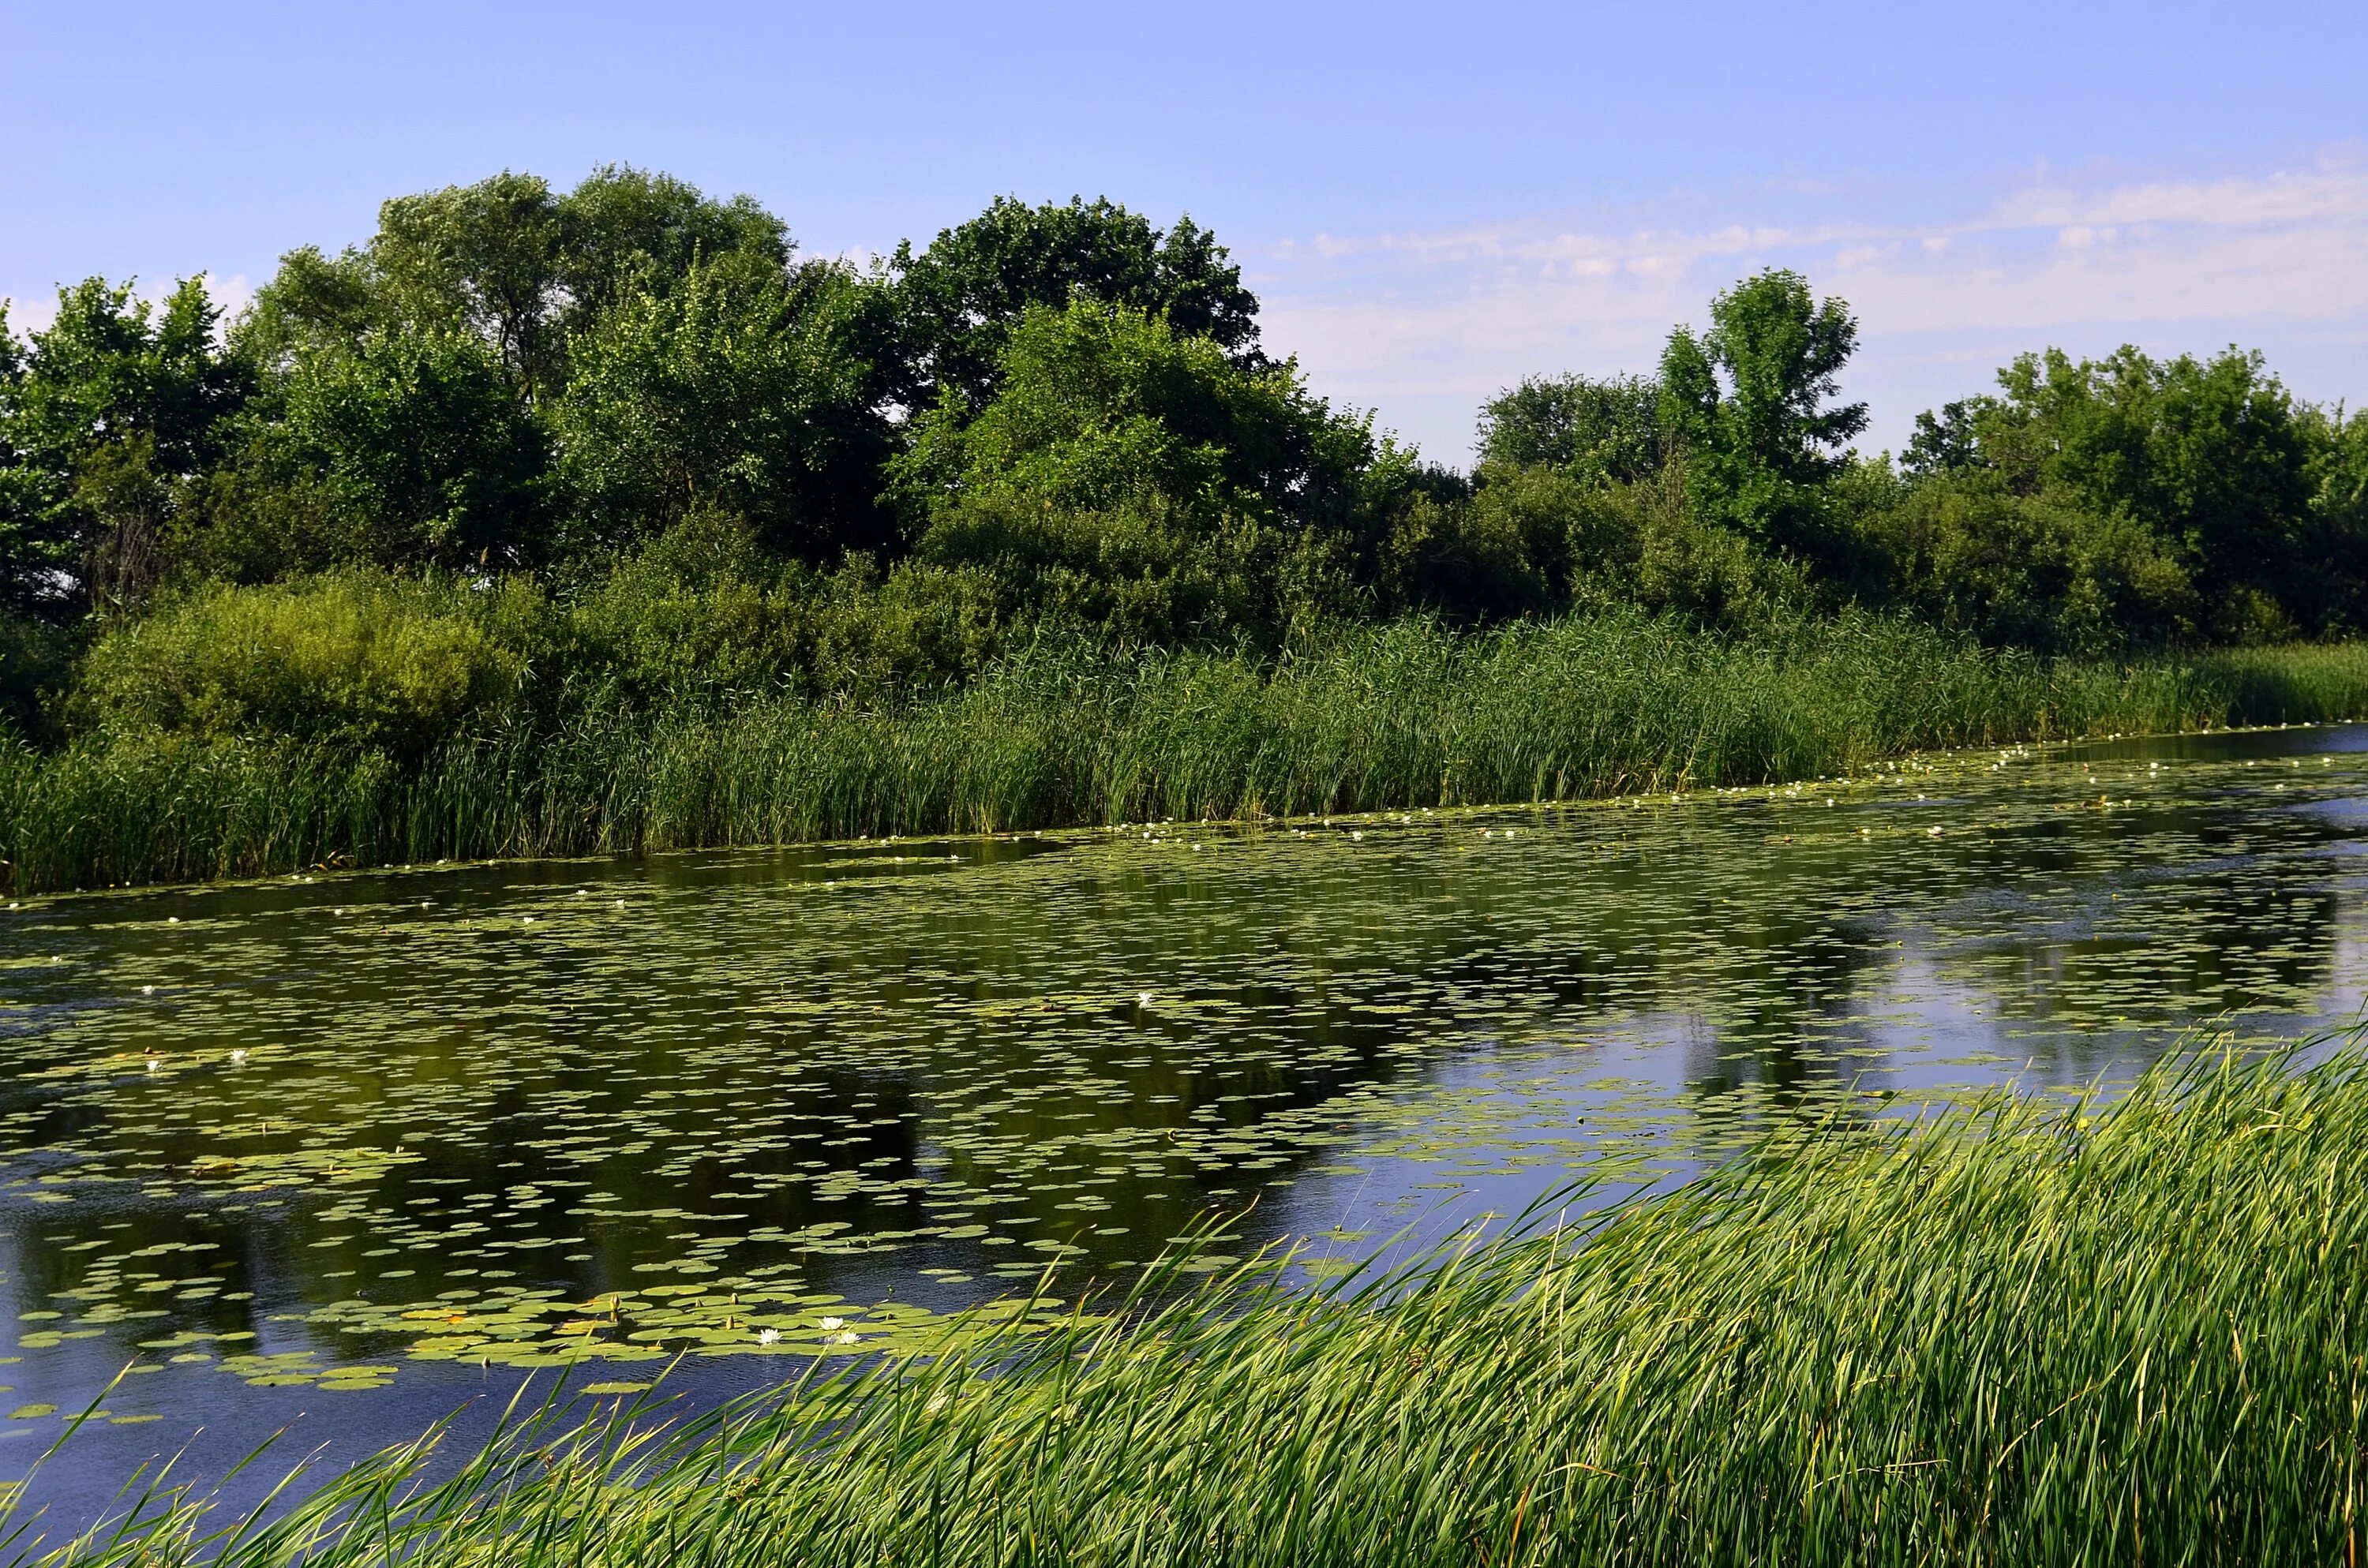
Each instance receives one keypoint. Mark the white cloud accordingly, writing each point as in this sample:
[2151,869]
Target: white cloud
[1425,326]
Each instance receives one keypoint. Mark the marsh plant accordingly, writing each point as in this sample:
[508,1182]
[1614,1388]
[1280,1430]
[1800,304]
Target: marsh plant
[1409,715]
[2027,1330]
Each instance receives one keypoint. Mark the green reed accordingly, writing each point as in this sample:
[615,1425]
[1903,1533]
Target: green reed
[2023,1331]
[1400,716]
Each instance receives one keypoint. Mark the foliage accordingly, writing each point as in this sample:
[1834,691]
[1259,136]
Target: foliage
[2037,570]
[107,418]
[2211,458]
[1747,401]
[415,451]
[753,397]
[2332,555]
[697,610]
[704,615]
[36,659]
[354,659]
[960,298]
[516,265]
[1608,429]
[1130,477]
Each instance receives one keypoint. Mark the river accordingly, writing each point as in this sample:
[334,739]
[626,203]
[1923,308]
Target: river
[345,1153]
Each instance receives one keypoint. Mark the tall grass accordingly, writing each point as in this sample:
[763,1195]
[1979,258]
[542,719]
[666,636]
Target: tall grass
[2024,1334]
[1399,716]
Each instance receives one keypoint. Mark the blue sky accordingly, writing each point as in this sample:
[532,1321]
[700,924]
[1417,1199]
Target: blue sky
[1433,200]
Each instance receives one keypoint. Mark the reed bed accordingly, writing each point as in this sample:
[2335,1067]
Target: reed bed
[2021,1332]
[1394,717]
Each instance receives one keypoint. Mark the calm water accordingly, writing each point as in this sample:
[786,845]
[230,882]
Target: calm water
[342,1153]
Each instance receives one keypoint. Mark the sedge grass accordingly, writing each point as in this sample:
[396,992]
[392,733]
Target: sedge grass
[2023,1332]
[1396,717]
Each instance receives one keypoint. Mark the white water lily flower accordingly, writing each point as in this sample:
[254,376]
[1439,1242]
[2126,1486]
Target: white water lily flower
[147,991]
[827,1325]
[238,1057]
[769,1337]
[846,1336]
[1142,998]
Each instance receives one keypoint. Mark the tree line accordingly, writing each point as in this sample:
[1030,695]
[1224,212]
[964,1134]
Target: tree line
[683,454]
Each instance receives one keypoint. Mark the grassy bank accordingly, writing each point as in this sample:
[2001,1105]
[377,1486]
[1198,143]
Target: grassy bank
[1408,715]
[2024,1334]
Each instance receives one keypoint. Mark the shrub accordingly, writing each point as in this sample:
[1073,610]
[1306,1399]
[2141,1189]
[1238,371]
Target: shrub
[699,610]
[2040,570]
[357,658]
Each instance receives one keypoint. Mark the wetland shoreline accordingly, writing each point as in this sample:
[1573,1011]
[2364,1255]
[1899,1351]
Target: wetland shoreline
[1408,716]
[348,1151]
[2025,1330]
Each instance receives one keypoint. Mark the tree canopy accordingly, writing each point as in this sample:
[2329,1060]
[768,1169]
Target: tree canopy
[960,298]
[728,459]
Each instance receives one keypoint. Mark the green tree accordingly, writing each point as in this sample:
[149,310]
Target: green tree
[2211,458]
[626,231]
[1148,480]
[1607,429]
[485,257]
[962,297]
[415,442]
[757,399]
[2210,455]
[1747,401]
[1099,400]
[2334,596]
[1965,550]
[107,417]
[523,268]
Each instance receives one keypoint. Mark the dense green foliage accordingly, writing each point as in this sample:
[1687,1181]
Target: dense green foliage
[530,462]
[2022,1331]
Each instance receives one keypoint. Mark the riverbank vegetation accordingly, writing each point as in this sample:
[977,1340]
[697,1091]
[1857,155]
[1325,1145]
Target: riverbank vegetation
[2025,1331]
[602,518]
[1403,715]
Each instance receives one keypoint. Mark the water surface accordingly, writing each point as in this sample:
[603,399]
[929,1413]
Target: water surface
[344,1151]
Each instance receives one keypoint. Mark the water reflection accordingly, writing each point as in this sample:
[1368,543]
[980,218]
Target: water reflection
[376,1139]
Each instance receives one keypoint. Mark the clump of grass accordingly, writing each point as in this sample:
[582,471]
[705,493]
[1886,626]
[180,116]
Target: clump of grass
[2025,1332]
[1402,716]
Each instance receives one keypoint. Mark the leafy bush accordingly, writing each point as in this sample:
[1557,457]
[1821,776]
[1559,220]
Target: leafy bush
[1544,537]
[920,625]
[2038,571]
[356,658]
[697,610]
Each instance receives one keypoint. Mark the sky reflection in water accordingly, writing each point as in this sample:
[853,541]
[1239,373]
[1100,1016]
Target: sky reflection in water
[357,1147]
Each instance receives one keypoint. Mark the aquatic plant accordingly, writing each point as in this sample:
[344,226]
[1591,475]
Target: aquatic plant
[1407,715]
[2029,1331]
